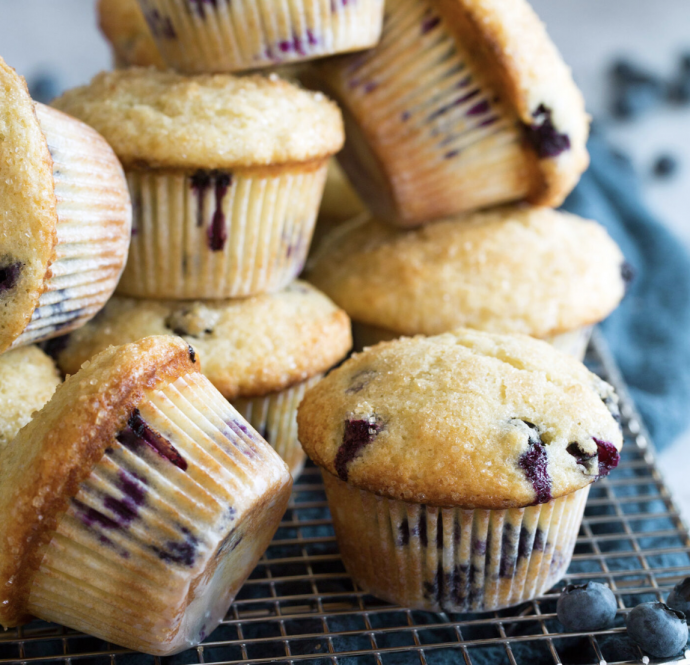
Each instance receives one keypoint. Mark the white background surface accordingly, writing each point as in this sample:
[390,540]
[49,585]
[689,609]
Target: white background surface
[61,36]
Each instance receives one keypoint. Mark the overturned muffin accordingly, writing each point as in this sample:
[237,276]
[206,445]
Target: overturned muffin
[516,269]
[66,218]
[226,175]
[457,467]
[137,483]
[208,36]
[28,378]
[464,104]
[261,353]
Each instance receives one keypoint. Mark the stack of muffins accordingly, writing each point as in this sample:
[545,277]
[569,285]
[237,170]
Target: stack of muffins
[457,459]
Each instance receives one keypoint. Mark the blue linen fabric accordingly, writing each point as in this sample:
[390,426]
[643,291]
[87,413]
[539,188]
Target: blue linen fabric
[649,334]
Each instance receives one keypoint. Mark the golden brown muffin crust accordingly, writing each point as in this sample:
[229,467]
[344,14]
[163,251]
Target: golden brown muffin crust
[166,120]
[455,420]
[45,464]
[29,216]
[248,347]
[517,269]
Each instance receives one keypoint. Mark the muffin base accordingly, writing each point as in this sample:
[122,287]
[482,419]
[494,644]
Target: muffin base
[159,538]
[274,416]
[93,229]
[573,343]
[199,37]
[450,559]
[427,136]
[209,234]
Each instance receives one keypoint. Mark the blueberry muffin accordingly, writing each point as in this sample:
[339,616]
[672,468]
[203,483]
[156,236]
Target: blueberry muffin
[66,218]
[124,26]
[525,270]
[136,502]
[199,36]
[226,176]
[28,378]
[464,104]
[457,467]
[261,353]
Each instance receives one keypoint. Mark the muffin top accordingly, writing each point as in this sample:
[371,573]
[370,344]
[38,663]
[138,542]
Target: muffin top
[518,269]
[124,25]
[167,120]
[29,209]
[50,457]
[28,378]
[247,347]
[528,69]
[467,419]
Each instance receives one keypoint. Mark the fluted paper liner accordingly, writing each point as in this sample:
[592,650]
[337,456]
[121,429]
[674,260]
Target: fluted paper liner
[199,36]
[427,137]
[452,559]
[274,416]
[573,343]
[93,229]
[153,548]
[208,234]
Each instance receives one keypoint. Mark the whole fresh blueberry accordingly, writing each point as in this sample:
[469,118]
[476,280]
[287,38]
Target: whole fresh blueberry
[587,607]
[679,598]
[657,629]
[665,166]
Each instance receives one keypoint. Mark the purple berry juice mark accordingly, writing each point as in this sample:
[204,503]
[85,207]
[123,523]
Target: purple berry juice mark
[200,183]
[439,531]
[199,6]
[506,564]
[534,463]
[9,275]
[455,103]
[451,154]
[218,232]
[404,533]
[160,26]
[91,517]
[480,108]
[544,137]
[357,435]
[429,23]
[421,528]
[609,457]
[479,546]
[525,544]
[312,38]
[360,381]
[138,432]
[182,552]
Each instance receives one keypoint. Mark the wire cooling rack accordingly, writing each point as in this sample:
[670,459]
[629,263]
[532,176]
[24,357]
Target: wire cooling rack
[299,605]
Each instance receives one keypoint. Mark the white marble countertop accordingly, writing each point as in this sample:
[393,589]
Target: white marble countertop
[47,36]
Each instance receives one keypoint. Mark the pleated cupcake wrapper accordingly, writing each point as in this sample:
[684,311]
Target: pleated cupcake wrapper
[274,416]
[155,545]
[426,136]
[573,343]
[220,235]
[451,559]
[93,229]
[198,36]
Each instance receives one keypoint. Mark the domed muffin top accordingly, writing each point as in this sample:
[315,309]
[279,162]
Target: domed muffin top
[517,269]
[167,120]
[248,347]
[467,419]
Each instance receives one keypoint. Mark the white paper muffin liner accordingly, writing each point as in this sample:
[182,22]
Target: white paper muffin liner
[427,136]
[197,36]
[274,416]
[208,234]
[93,229]
[167,527]
[574,343]
[451,559]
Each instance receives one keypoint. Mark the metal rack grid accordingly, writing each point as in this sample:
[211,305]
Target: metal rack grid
[299,605]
